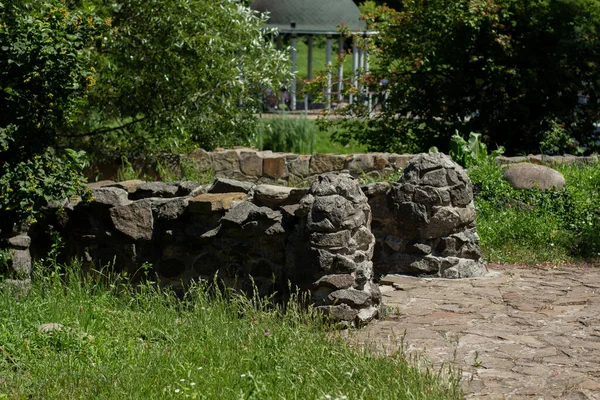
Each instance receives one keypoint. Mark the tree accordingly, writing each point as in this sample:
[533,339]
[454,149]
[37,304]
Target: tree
[45,72]
[177,73]
[513,70]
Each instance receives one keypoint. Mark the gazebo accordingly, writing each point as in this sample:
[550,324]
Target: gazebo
[317,17]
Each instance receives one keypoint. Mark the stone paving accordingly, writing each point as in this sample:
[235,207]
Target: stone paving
[517,333]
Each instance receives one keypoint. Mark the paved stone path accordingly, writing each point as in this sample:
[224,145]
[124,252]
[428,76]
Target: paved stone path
[517,333]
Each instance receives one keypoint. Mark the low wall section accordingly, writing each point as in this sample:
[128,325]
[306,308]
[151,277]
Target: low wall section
[286,168]
[333,239]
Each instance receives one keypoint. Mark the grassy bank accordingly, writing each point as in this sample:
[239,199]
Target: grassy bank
[118,342]
[531,226]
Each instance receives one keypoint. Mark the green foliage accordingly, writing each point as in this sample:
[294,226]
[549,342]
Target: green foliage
[556,140]
[300,136]
[44,74]
[535,226]
[177,74]
[472,152]
[504,68]
[119,341]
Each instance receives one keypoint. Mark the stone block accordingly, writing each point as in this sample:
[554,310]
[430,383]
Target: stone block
[336,281]
[134,220]
[274,167]
[225,163]
[209,203]
[335,239]
[271,195]
[110,196]
[224,185]
[380,161]
[251,163]
[100,184]
[322,163]
[299,166]
[202,159]
[400,161]
[354,298]
[359,164]
[20,242]
[130,186]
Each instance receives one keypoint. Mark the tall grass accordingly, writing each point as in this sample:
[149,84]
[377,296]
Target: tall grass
[300,136]
[124,342]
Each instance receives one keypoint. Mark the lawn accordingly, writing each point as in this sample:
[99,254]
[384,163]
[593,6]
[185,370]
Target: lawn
[120,342]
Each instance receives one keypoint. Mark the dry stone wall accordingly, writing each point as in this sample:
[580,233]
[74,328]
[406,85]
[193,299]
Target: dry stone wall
[251,165]
[333,239]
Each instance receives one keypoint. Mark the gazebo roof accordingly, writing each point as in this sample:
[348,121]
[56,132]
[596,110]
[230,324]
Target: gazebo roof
[311,16]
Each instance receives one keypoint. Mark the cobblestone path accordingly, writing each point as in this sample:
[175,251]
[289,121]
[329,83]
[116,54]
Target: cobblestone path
[517,333]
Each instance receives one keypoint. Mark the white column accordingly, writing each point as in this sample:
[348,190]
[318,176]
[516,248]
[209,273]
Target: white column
[328,59]
[341,70]
[366,86]
[355,55]
[294,70]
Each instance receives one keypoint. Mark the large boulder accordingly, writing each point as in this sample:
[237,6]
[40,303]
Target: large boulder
[533,176]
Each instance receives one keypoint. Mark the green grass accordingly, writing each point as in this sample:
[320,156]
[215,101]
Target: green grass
[531,226]
[300,136]
[120,342]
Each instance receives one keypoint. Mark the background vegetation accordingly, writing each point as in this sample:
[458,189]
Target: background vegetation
[519,72]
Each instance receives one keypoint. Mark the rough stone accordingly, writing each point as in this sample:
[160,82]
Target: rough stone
[299,166]
[531,176]
[251,164]
[20,241]
[134,220]
[339,313]
[130,186]
[225,163]
[186,188]
[209,203]
[202,159]
[336,281]
[323,163]
[168,209]
[380,161]
[224,185]
[154,189]
[100,184]
[335,239]
[274,167]
[271,195]
[354,298]
[21,262]
[400,161]
[359,164]
[110,196]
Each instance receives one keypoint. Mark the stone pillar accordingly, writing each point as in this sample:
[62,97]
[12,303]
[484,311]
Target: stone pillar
[433,216]
[333,247]
[19,264]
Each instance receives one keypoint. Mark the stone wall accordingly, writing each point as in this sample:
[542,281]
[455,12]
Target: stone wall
[333,239]
[285,168]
